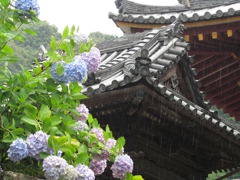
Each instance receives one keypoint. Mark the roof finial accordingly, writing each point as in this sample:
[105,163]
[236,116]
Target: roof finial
[184,2]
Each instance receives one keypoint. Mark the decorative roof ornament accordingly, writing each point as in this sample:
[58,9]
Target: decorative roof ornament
[185,2]
[142,64]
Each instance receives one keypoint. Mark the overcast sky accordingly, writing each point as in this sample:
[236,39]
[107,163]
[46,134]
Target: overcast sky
[89,15]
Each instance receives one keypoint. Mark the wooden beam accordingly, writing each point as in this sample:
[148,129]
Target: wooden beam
[215,73]
[222,97]
[217,60]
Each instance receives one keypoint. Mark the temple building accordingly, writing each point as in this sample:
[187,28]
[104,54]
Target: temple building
[156,85]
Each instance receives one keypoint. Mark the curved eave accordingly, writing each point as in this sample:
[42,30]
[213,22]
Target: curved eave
[187,25]
[191,18]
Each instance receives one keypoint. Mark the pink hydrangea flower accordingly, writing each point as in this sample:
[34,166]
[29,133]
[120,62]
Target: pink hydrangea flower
[83,110]
[92,59]
[97,166]
[99,134]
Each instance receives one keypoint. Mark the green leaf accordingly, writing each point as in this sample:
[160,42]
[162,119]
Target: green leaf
[82,158]
[18,131]
[55,120]
[30,111]
[61,140]
[30,121]
[43,155]
[53,43]
[46,124]
[82,149]
[65,32]
[138,177]
[72,30]
[9,59]
[82,48]
[129,176]
[7,138]
[5,3]
[44,113]
[8,49]
[29,31]
[120,143]
[5,122]
[59,69]
[90,119]
[52,143]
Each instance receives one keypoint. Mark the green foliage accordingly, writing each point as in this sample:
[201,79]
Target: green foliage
[33,35]
[31,101]
[99,37]
[214,176]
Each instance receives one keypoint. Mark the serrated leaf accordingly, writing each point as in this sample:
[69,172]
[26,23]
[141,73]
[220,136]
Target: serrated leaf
[120,143]
[30,111]
[60,69]
[5,3]
[5,122]
[53,43]
[72,30]
[18,131]
[82,48]
[82,158]
[44,113]
[65,32]
[8,49]
[30,31]
[7,138]
[30,121]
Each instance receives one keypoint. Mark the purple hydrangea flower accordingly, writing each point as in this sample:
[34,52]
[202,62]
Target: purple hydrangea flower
[83,110]
[99,134]
[85,172]
[79,38]
[18,150]
[105,153]
[81,126]
[38,143]
[76,71]
[26,5]
[97,166]
[122,165]
[54,74]
[54,167]
[92,59]
[71,173]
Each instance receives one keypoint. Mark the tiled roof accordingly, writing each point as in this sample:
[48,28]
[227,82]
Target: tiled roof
[150,56]
[199,10]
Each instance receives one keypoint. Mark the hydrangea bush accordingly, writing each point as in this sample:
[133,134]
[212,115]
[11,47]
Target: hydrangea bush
[43,123]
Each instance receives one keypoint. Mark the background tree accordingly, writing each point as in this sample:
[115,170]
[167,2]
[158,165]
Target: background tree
[29,49]
[99,37]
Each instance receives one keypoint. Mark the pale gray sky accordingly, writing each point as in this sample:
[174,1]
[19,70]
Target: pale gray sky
[89,15]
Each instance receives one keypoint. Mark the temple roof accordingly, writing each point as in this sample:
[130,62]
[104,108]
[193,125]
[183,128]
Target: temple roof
[153,56]
[146,90]
[199,10]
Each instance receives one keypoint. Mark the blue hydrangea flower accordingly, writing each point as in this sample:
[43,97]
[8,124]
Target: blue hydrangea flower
[26,5]
[83,110]
[92,59]
[76,71]
[97,166]
[85,172]
[38,143]
[80,38]
[54,167]
[54,74]
[18,150]
[71,173]
[81,126]
[122,165]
